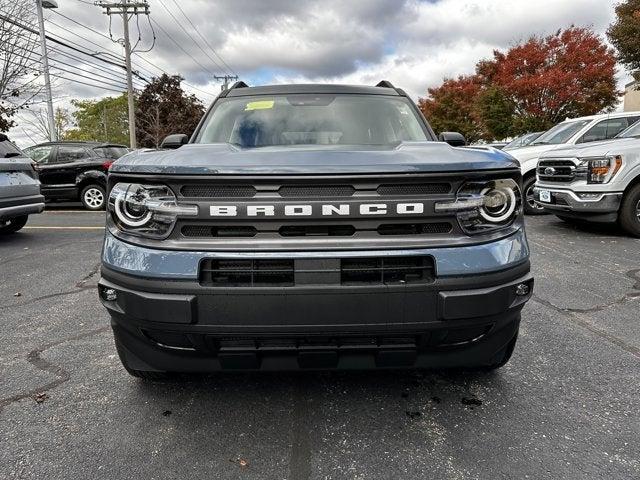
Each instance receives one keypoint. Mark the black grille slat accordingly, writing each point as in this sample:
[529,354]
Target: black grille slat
[317,231]
[565,170]
[415,228]
[206,231]
[328,191]
[247,273]
[414,189]
[218,191]
[387,270]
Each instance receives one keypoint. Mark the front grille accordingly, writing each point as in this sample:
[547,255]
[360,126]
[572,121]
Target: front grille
[317,231]
[218,191]
[386,270]
[564,171]
[337,271]
[247,273]
[324,191]
[414,189]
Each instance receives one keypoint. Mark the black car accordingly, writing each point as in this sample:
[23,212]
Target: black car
[75,170]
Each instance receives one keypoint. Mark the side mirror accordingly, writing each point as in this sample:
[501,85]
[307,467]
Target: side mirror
[454,139]
[174,141]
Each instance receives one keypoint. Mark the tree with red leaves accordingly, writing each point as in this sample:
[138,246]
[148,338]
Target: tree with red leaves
[451,107]
[531,87]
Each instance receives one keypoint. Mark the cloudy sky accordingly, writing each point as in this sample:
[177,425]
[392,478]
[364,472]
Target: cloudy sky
[412,43]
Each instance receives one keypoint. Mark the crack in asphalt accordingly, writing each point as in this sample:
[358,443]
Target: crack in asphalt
[78,287]
[35,358]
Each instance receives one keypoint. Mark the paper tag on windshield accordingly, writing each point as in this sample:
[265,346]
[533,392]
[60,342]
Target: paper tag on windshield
[259,105]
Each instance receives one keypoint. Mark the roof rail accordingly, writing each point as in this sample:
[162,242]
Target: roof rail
[239,84]
[385,84]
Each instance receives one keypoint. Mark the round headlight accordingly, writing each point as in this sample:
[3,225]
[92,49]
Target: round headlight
[130,208]
[499,204]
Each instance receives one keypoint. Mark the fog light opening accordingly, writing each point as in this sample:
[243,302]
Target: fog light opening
[109,294]
[522,289]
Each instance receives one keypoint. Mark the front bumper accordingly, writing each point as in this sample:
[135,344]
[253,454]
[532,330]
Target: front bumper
[19,206]
[179,325]
[599,207]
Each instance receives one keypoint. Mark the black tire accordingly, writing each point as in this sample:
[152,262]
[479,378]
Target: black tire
[142,374]
[93,197]
[530,207]
[501,358]
[629,216]
[14,225]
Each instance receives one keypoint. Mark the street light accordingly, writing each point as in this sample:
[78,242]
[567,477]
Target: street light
[40,4]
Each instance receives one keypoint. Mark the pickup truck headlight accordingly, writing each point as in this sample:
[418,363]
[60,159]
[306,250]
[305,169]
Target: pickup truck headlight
[602,170]
[145,210]
[485,206]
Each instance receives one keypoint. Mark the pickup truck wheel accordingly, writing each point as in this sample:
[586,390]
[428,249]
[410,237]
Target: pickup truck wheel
[93,197]
[143,374]
[13,225]
[530,206]
[629,216]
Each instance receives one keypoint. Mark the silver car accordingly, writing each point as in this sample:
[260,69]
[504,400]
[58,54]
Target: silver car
[19,188]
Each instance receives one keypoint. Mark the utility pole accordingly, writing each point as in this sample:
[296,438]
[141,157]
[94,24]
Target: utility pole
[225,80]
[40,4]
[127,10]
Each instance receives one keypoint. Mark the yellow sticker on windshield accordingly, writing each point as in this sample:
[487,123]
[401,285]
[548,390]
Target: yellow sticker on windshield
[259,105]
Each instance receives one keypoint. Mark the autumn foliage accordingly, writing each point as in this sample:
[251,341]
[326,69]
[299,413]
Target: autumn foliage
[531,87]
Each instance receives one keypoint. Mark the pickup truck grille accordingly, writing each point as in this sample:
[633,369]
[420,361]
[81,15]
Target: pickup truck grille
[333,271]
[557,170]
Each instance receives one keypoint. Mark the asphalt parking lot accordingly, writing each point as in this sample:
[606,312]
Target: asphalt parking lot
[566,406]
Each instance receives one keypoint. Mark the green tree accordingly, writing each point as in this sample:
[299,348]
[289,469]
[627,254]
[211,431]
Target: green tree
[102,120]
[496,111]
[163,108]
[624,34]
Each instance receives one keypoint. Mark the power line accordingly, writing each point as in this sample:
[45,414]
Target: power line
[180,47]
[203,38]
[189,35]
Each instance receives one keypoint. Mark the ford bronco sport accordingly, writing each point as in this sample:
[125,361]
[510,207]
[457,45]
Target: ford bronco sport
[314,227]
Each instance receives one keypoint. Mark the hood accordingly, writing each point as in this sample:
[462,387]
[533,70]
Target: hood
[596,149]
[226,159]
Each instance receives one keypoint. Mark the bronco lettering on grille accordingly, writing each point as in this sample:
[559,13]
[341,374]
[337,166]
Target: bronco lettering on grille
[324,210]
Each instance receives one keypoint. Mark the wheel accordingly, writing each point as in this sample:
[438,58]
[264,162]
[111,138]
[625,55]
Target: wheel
[501,358]
[93,197]
[530,206]
[143,374]
[13,225]
[629,216]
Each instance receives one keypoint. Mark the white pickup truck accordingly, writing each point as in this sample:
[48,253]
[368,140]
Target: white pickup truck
[596,182]
[570,133]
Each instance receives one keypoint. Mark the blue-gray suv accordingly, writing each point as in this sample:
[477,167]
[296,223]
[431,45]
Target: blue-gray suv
[314,227]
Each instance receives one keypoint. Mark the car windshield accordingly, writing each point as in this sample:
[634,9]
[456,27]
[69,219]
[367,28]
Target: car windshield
[114,152]
[561,133]
[281,120]
[632,131]
[522,141]
[8,149]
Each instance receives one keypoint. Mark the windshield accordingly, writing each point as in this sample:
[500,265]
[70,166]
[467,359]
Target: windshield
[280,120]
[111,152]
[632,131]
[561,133]
[522,141]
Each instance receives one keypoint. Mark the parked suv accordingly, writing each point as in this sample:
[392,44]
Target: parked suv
[596,182]
[19,188]
[570,132]
[75,170]
[314,227]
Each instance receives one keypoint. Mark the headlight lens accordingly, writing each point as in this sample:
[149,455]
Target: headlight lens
[145,210]
[602,170]
[485,206]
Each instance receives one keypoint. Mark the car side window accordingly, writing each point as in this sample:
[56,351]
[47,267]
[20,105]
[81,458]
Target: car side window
[70,154]
[40,154]
[604,130]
